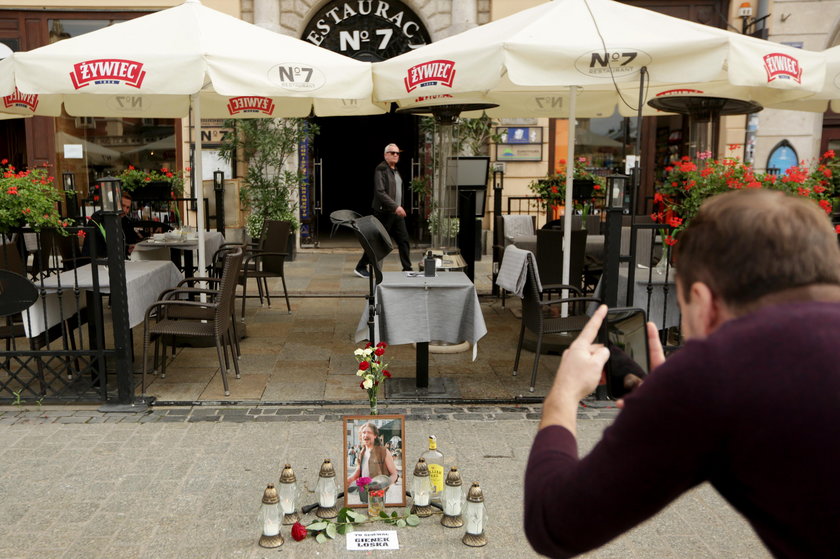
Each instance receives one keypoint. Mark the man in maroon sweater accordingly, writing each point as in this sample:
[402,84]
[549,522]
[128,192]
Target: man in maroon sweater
[751,404]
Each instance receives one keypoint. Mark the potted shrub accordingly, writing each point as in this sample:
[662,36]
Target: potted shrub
[268,146]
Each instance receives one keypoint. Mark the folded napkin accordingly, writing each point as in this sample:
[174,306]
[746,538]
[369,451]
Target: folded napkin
[514,270]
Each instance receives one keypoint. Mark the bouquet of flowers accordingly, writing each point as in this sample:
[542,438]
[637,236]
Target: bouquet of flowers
[372,370]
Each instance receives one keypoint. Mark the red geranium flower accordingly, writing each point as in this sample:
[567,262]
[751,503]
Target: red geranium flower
[299,531]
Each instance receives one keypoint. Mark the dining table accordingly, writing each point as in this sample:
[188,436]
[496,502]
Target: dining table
[58,300]
[414,308]
[159,247]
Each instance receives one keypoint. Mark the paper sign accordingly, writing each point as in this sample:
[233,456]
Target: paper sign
[72,151]
[364,541]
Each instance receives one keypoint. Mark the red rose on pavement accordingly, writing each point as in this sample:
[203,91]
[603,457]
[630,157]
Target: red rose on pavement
[298,531]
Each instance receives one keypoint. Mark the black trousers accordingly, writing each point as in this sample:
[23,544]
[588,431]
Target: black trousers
[395,226]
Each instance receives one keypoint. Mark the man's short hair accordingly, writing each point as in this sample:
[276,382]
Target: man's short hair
[127,195]
[387,148]
[748,243]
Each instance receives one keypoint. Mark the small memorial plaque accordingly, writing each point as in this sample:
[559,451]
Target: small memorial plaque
[363,541]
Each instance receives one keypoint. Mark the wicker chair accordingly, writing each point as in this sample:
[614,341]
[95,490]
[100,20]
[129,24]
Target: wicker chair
[538,318]
[168,318]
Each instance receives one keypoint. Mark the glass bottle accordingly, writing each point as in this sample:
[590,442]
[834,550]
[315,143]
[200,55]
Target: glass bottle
[434,461]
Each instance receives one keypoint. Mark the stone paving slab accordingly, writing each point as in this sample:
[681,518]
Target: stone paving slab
[187,483]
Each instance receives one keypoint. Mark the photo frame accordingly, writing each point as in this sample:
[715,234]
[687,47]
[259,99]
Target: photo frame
[380,438]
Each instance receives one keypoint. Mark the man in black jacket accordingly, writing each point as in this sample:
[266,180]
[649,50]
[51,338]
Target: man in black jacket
[388,207]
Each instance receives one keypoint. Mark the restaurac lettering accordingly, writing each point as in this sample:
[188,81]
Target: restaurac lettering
[349,9]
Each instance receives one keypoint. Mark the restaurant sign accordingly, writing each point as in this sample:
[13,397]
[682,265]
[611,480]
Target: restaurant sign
[368,30]
[608,63]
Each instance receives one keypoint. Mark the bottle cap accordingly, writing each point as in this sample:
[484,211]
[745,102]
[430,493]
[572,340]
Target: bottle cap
[432,442]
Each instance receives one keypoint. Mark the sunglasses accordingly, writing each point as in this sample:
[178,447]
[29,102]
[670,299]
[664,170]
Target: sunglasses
[392,152]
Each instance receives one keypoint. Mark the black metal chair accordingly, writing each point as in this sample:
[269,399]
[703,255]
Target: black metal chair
[544,317]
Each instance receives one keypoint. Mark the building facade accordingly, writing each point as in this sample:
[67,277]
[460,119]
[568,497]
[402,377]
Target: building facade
[343,154]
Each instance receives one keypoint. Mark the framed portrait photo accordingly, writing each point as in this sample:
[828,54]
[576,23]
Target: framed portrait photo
[374,448]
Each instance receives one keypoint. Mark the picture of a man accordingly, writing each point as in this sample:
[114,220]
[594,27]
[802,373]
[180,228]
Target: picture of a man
[749,404]
[388,208]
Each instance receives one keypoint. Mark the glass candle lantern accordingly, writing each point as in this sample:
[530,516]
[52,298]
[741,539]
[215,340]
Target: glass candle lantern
[421,490]
[453,500]
[288,492]
[327,491]
[475,517]
[270,518]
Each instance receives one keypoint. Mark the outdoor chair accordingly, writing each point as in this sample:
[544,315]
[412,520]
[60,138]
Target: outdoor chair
[550,258]
[545,317]
[268,261]
[163,326]
[376,243]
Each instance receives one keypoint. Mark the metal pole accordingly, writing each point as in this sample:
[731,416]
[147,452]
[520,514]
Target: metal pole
[119,309]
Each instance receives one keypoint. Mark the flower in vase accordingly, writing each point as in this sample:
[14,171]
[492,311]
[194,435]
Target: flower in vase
[372,371]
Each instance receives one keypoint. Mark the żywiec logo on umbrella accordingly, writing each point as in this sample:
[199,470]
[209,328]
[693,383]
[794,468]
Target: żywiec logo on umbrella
[679,92]
[434,72]
[782,66]
[18,99]
[107,71]
[250,104]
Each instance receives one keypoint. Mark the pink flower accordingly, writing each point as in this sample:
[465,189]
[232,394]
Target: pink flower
[363,481]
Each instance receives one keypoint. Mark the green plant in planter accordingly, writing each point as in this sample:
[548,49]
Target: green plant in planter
[28,199]
[268,146]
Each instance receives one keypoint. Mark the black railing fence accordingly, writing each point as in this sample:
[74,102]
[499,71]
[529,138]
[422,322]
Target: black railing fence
[63,339]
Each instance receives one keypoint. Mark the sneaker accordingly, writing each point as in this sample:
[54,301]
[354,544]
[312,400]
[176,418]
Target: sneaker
[361,273]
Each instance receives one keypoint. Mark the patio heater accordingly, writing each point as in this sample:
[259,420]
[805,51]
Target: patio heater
[704,117]
[444,213]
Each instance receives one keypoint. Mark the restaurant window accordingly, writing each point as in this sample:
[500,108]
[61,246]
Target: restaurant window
[93,147]
[604,142]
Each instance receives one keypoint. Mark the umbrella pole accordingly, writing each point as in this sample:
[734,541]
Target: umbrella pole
[570,174]
[198,182]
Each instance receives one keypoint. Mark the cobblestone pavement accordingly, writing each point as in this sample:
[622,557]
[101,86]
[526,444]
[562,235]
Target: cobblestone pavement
[187,483]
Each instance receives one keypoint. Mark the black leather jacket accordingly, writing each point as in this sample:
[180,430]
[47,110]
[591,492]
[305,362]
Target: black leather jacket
[385,188]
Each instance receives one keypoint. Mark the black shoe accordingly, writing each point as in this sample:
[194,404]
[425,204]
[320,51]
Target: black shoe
[407,270]
[361,273]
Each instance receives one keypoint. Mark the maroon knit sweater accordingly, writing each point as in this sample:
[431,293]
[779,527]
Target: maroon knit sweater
[754,409]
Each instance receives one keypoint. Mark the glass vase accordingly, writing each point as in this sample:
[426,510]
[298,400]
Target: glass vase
[374,404]
[376,503]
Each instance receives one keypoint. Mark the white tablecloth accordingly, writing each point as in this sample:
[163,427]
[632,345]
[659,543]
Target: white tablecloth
[421,309]
[150,249]
[144,283]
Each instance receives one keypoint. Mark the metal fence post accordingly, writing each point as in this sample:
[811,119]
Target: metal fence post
[119,307]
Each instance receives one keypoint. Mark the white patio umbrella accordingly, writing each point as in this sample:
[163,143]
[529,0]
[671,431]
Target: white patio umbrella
[569,58]
[182,60]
